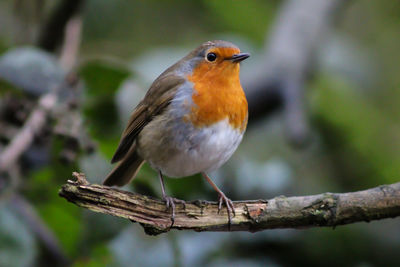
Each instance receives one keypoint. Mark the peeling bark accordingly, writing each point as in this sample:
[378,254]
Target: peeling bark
[328,209]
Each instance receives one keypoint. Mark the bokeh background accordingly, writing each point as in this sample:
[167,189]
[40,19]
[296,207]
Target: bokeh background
[323,88]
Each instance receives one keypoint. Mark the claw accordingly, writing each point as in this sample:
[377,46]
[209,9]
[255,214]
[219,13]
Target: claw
[220,204]
[229,207]
[170,204]
[170,201]
[222,198]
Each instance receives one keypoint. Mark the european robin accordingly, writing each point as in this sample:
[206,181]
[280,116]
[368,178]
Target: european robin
[191,120]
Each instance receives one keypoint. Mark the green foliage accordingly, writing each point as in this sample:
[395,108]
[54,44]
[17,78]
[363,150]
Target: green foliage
[190,186]
[341,241]
[102,79]
[65,221]
[6,87]
[100,256]
[256,14]
[61,217]
[3,46]
[363,137]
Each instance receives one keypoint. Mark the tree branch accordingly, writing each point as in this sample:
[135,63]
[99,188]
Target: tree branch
[26,135]
[48,102]
[52,32]
[328,209]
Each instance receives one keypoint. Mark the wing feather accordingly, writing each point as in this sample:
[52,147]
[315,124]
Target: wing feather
[158,97]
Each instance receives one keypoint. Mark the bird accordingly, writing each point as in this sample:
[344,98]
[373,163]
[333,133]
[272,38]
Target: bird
[191,120]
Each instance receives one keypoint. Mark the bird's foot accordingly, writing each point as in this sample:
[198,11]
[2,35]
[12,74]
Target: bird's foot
[229,206]
[170,203]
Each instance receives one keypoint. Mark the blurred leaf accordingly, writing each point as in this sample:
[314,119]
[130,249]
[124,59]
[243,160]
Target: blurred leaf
[103,123]
[100,256]
[348,241]
[189,187]
[65,220]
[364,139]
[3,46]
[17,244]
[6,87]
[102,115]
[102,228]
[62,218]
[102,80]
[250,18]
[32,70]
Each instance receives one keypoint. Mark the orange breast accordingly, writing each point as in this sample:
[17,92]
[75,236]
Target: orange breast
[218,95]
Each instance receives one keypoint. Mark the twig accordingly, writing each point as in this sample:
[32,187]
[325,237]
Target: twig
[47,103]
[34,124]
[52,32]
[26,135]
[70,47]
[329,209]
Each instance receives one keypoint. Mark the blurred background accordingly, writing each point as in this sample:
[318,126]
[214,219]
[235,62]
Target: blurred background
[322,85]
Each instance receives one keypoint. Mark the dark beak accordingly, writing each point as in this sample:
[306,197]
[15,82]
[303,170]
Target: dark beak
[239,57]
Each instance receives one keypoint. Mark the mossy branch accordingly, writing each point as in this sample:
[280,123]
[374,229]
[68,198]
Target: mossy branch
[328,209]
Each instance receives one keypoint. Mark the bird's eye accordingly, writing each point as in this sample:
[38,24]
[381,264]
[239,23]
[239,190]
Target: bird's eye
[211,57]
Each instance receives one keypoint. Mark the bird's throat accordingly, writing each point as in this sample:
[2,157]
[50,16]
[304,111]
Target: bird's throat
[218,95]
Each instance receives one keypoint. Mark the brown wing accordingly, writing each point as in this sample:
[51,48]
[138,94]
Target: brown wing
[156,100]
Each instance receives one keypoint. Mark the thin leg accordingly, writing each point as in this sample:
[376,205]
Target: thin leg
[162,184]
[222,198]
[169,201]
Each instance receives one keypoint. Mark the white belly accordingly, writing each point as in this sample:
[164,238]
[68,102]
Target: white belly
[184,150]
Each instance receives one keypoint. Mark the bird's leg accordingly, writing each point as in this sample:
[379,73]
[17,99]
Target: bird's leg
[222,198]
[169,201]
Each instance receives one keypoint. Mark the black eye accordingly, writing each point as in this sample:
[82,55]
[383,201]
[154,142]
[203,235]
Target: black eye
[211,57]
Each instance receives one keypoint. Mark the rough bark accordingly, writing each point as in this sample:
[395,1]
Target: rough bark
[328,209]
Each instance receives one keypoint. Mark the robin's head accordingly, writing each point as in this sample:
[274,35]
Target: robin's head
[217,56]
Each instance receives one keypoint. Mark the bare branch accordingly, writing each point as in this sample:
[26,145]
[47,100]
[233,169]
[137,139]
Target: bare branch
[52,32]
[47,103]
[26,135]
[72,42]
[328,209]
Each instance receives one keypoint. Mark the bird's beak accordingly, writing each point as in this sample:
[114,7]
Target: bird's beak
[239,57]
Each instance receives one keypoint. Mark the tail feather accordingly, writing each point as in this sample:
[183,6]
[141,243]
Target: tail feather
[126,170]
